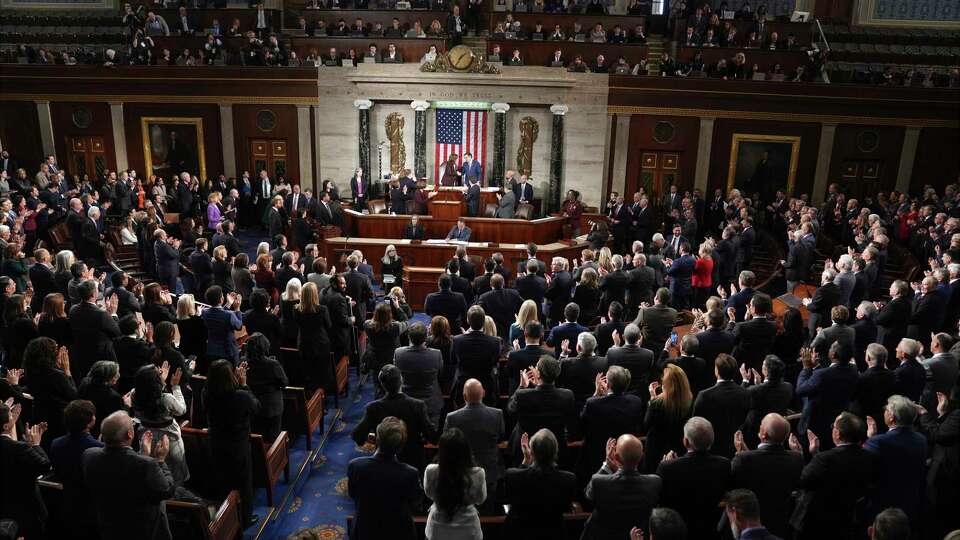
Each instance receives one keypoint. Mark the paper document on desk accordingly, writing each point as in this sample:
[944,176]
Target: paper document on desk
[436,241]
[791,300]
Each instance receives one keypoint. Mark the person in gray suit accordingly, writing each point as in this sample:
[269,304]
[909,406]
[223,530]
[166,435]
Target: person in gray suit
[421,367]
[845,279]
[838,332]
[942,370]
[656,322]
[484,429]
[622,497]
[507,205]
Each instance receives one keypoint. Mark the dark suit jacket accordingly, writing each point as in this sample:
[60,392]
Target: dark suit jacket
[558,293]
[874,386]
[639,362]
[449,304]
[864,333]
[656,323]
[93,333]
[693,485]
[798,262]
[412,411]
[567,330]
[502,305]
[699,373]
[386,493]
[606,417]
[740,301]
[544,406]
[525,358]
[828,392]
[127,490]
[765,398]
[754,340]
[523,192]
[457,234]
[772,472]
[21,464]
[578,373]
[476,355]
[275,223]
[532,287]
[713,342]
[927,317]
[421,371]
[820,305]
[911,377]
[484,429]
[414,233]
[358,286]
[614,288]
[725,405]
[834,481]
[901,457]
[41,277]
[604,335]
[168,261]
[642,279]
[538,498]
[892,322]
[622,500]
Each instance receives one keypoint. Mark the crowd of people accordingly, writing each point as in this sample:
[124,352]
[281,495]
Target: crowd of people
[843,427]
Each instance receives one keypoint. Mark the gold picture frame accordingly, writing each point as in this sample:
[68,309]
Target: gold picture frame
[741,140]
[156,132]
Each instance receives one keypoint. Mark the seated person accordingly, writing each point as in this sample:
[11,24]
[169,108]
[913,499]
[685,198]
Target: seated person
[617,35]
[494,55]
[601,65]
[577,66]
[414,230]
[639,36]
[557,60]
[557,34]
[515,59]
[460,231]
[598,34]
[392,55]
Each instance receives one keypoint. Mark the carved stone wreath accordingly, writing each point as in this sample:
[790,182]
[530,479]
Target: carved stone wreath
[443,64]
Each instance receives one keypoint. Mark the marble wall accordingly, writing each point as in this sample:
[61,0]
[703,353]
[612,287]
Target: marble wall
[530,91]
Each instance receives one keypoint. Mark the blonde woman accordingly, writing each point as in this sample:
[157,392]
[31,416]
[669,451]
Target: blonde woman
[391,267]
[702,279]
[398,303]
[213,211]
[528,312]
[313,320]
[288,303]
[670,404]
[489,327]
[222,270]
[193,332]
[263,248]
[603,260]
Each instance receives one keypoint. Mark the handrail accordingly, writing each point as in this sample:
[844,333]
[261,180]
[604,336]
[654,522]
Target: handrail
[823,36]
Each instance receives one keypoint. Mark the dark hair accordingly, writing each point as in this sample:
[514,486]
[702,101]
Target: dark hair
[221,380]
[39,356]
[715,318]
[453,266]
[667,524]
[163,337]
[214,295]
[744,502]
[151,294]
[417,333]
[390,378]
[87,289]
[259,300]
[13,309]
[78,414]
[256,348]
[476,317]
[382,317]
[455,462]
[726,366]
[128,324]
[775,368]
[571,312]
[242,260]
[850,428]
[444,282]
[762,303]
[615,311]
[148,397]
[533,329]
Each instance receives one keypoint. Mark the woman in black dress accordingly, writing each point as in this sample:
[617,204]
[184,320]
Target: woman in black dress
[19,329]
[100,387]
[164,341]
[391,265]
[231,406]
[666,414]
[266,379]
[193,333]
[383,338]
[157,305]
[259,318]
[440,339]
[587,296]
[47,377]
[313,320]
[222,270]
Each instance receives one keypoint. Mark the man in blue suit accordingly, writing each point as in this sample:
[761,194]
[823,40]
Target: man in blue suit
[523,191]
[472,197]
[569,330]
[222,325]
[826,391]
[902,454]
[739,300]
[680,272]
[743,514]
[460,231]
[470,170]
[385,490]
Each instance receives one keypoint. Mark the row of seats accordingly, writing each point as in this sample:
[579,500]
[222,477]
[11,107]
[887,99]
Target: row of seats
[894,74]
[45,18]
[890,35]
[895,48]
[44,39]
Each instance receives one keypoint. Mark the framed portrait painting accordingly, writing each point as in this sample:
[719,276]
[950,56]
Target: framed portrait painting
[763,164]
[172,146]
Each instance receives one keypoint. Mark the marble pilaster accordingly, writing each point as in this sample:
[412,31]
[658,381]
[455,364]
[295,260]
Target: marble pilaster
[420,137]
[552,201]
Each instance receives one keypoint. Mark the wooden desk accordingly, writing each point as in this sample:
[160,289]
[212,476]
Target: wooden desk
[764,58]
[427,257]
[488,195]
[418,282]
[540,53]
[541,231]
[802,291]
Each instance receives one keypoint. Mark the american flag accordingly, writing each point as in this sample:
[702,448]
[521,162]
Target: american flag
[459,131]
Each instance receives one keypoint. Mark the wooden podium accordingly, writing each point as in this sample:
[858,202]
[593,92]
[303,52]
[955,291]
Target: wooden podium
[445,209]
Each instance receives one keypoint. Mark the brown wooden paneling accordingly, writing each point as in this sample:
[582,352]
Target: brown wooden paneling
[683,143]
[246,130]
[724,129]
[203,18]
[62,115]
[864,147]
[566,21]
[213,148]
[20,133]
[540,53]
[833,9]
[936,162]
[370,17]
[514,231]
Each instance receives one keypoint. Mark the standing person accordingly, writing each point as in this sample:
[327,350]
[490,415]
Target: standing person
[456,485]
[622,496]
[266,379]
[313,341]
[21,462]
[66,456]
[222,324]
[455,26]
[385,490]
[421,368]
[127,488]
[230,408]
[156,411]
[666,415]
[383,340]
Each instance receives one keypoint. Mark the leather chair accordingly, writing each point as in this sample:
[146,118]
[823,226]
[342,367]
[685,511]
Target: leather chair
[524,211]
[490,210]
[377,206]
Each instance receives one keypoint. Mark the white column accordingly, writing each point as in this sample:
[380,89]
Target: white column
[704,148]
[621,145]
[306,149]
[46,128]
[822,175]
[907,156]
[317,150]
[227,141]
[119,135]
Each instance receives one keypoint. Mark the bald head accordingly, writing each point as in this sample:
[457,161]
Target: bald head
[117,429]
[629,451]
[472,391]
[774,429]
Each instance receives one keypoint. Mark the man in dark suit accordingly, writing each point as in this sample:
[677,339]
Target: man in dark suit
[622,497]
[605,330]
[501,303]
[456,26]
[472,197]
[694,484]
[93,328]
[21,462]
[928,312]
[471,171]
[467,269]
[127,488]
[568,331]
[673,200]
[620,221]
[754,337]
[864,330]
[671,249]
[827,296]
[828,391]
[894,316]
[798,261]
[41,278]
[699,375]
[358,284]
[483,428]
[771,471]
[167,256]
[835,480]
[295,200]
[447,303]
[201,264]
[748,237]
[538,403]
[275,222]
[386,491]
[611,412]
[838,332]
[414,230]
[476,355]
[421,368]
[725,405]
[861,285]
[642,280]
[739,300]
[458,283]
[523,191]
[538,492]
[481,283]
[532,286]
[395,403]
[715,340]
[910,374]
[657,321]
[525,356]
[901,458]
[641,220]
[941,368]
[874,385]
[681,272]
[742,511]
[559,290]
[769,393]
[460,232]
[128,302]
[91,250]
[613,285]
[578,371]
[637,360]
[725,257]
